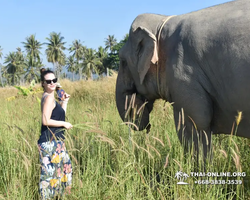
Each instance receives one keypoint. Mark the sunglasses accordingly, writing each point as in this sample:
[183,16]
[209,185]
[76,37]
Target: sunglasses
[50,81]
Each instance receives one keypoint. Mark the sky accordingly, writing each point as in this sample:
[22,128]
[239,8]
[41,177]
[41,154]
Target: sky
[90,21]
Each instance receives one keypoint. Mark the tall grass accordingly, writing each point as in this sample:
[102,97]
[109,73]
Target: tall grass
[106,163]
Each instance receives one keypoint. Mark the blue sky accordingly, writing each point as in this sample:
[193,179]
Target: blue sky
[90,21]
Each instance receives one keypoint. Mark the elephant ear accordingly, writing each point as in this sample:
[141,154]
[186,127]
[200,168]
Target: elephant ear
[146,49]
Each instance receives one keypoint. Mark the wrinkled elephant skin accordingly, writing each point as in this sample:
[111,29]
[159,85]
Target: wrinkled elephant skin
[199,61]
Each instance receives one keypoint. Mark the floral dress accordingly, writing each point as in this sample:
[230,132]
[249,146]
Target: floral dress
[56,169]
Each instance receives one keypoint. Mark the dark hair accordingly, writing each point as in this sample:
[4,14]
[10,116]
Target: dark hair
[43,72]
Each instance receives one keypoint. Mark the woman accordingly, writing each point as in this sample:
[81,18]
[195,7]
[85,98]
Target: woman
[56,169]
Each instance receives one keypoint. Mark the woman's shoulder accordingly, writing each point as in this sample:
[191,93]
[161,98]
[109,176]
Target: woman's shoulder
[47,98]
[48,101]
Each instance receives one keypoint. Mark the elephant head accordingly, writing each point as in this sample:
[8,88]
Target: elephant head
[136,87]
[132,106]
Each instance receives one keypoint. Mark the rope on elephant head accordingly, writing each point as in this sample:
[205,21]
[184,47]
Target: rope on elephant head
[163,23]
[158,43]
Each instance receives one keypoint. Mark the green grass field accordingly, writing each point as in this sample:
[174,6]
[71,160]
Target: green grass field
[106,163]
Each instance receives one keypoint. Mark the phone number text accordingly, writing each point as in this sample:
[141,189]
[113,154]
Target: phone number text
[218,182]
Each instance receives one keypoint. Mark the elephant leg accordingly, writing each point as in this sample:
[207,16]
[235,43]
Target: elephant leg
[194,139]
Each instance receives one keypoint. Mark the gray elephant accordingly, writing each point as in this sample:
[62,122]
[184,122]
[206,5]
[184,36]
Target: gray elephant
[199,61]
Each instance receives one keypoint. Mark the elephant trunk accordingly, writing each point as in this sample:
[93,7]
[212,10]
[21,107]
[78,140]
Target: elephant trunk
[132,107]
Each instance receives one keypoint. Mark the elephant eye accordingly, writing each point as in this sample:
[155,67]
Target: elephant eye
[124,63]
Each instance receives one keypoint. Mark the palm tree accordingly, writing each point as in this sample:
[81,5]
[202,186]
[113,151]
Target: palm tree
[6,75]
[54,51]
[110,42]
[90,63]
[71,65]
[32,47]
[78,52]
[15,65]
[32,72]
[19,51]
[102,55]
[1,54]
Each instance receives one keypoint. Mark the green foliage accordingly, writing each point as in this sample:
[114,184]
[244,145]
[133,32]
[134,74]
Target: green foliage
[33,47]
[119,45]
[78,51]
[90,63]
[110,42]
[54,51]
[71,65]
[112,61]
[26,91]
[23,90]
[102,55]
[32,60]
[21,68]
[1,53]
[15,66]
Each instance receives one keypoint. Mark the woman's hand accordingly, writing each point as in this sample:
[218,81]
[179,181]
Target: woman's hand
[68,125]
[66,97]
[65,101]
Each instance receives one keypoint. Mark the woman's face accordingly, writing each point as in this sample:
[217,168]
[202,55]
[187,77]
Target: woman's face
[49,87]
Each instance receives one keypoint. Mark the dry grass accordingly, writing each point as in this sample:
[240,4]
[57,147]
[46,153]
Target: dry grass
[109,160]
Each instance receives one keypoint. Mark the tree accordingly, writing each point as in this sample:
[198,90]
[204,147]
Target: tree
[71,65]
[113,58]
[78,52]
[54,51]
[102,55]
[90,63]
[1,54]
[33,63]
[116,48]
[15,66]
[32,69]
[33,47]
[110,42]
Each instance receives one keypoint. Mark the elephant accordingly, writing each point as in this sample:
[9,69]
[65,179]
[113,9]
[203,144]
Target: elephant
[199,62]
